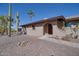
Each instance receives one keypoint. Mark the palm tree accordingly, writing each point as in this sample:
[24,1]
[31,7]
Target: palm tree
[31,14]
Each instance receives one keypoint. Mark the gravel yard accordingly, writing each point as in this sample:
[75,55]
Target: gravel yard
[25,45]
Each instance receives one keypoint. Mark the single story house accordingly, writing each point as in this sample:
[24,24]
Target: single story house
[51,26]
[45,26]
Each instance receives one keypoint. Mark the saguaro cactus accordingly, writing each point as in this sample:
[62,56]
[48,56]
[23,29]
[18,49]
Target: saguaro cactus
[17,21]
[9,19]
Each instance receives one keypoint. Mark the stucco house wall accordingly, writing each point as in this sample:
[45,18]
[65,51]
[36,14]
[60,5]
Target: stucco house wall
[57,31]
[38,31]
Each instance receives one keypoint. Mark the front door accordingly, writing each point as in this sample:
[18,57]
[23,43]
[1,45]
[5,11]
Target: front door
[48,29]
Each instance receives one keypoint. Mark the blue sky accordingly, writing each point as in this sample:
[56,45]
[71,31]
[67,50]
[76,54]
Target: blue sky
[41,10]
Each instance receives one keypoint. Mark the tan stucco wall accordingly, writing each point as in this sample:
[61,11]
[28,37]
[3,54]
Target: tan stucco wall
[37,32]
[57,31]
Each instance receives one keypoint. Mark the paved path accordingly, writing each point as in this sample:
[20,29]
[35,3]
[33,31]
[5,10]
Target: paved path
[33,47]
[59,41]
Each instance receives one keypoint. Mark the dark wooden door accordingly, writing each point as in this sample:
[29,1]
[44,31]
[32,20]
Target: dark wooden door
[48,29]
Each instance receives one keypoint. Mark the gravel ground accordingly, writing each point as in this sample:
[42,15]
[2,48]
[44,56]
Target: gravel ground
[25,45]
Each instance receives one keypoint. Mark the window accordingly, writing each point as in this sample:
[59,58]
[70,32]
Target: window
[33,27]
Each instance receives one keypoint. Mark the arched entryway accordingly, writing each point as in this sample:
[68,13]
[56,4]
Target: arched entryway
[47,28]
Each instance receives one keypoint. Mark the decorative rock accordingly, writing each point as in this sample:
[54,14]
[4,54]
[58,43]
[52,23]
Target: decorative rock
[23,43]
[19,43]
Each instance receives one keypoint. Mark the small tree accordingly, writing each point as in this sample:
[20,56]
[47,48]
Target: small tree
[3,24]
